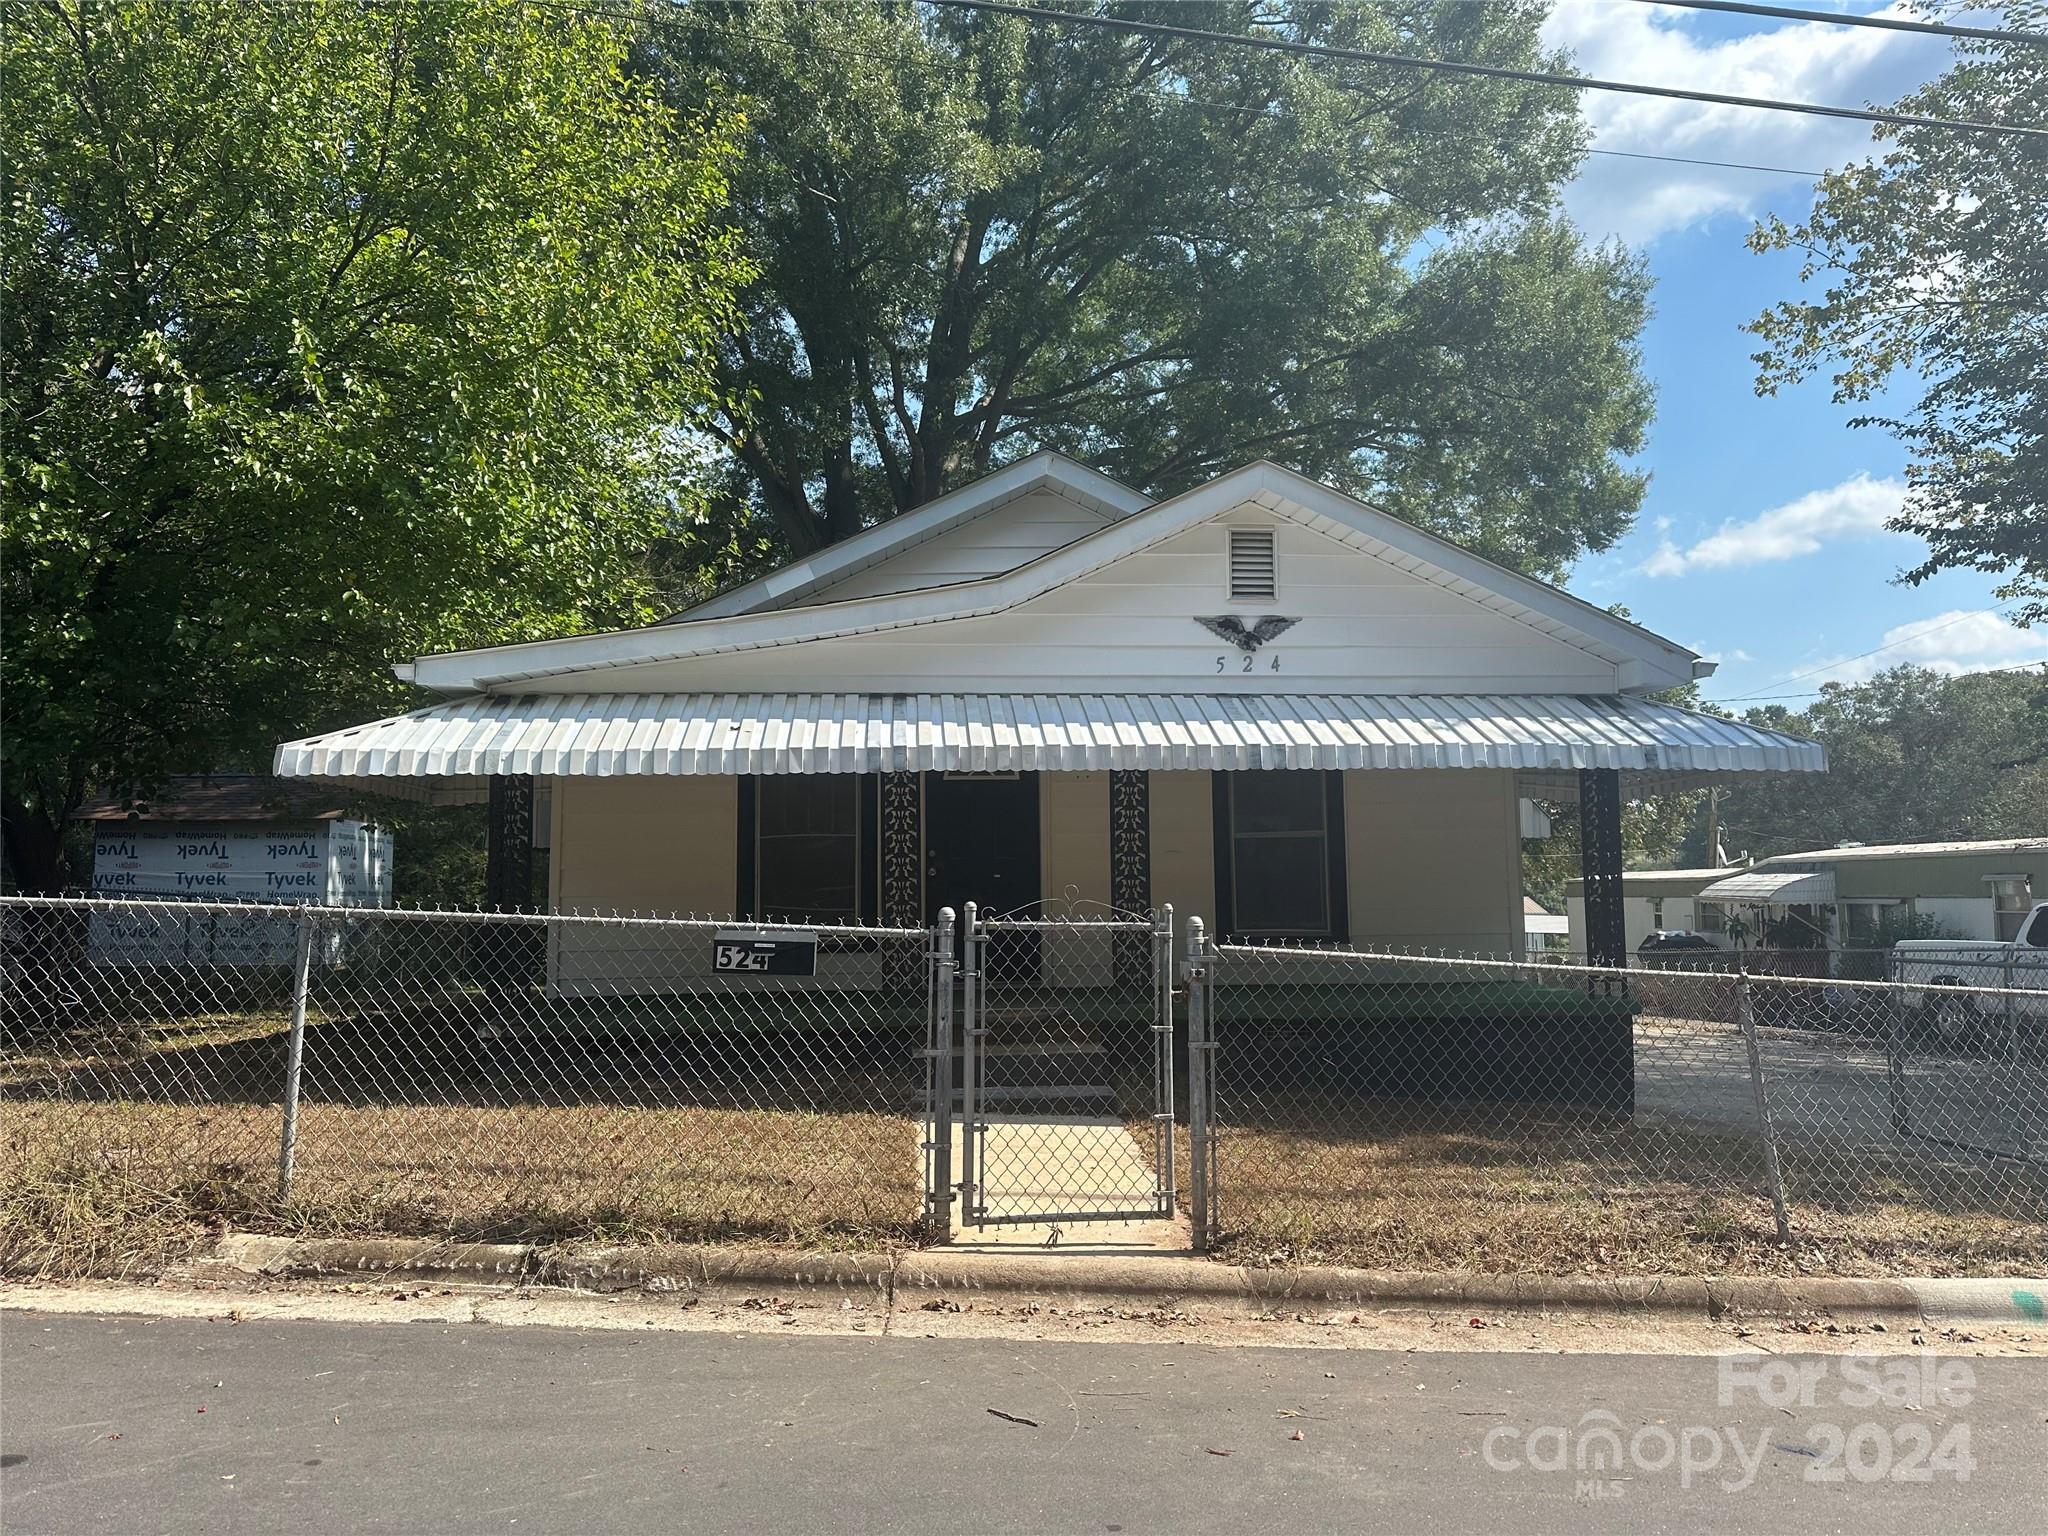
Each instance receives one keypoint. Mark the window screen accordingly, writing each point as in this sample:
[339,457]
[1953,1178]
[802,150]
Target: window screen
[807,847]
[1253,577]
[1279,855]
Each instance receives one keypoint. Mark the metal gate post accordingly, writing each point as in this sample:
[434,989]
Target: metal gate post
[295,1054]
[938,1190]
[970,1062]
[2027,1120]
[1745,1016]
[1199,1165]
[1162,1060]
[1896,1026]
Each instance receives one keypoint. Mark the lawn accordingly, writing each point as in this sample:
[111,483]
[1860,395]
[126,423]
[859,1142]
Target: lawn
[128,1143]
[126,1186]
[1494,1189]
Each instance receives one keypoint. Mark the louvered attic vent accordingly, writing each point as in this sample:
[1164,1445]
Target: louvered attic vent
[1252,577]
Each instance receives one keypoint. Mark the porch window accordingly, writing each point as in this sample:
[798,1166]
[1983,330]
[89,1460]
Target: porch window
[1282,844]
[807,847]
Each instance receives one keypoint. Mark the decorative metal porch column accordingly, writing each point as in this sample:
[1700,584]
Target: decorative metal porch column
[510,955]
[1130,865]
[508,849]
[1600,865]
[902,842]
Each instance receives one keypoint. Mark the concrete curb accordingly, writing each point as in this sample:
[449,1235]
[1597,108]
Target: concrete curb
[1162,1283]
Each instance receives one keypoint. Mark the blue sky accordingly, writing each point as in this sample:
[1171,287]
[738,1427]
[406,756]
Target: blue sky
[1760,540]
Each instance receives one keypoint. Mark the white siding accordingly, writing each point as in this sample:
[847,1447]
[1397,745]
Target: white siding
[1434,860]
[1966,917]
[1364,626]
[1009,535]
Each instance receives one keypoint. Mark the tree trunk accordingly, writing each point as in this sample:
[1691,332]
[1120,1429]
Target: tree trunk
[35,847]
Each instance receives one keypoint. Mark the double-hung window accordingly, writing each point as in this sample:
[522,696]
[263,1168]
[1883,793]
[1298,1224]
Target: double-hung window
[807,854]
[1284,873]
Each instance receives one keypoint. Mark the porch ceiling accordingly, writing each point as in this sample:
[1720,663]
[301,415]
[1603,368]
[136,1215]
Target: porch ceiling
[447,752]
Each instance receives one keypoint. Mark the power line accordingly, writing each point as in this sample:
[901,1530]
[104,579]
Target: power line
[1961,618]
[1178,98]
[2018,666]
[1932,629]
[1849,19]
[1726,165]
[1489,71]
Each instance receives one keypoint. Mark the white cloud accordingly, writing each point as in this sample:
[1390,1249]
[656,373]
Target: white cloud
[1960,641]
[1857,508]
[1724,657]
[1641,199]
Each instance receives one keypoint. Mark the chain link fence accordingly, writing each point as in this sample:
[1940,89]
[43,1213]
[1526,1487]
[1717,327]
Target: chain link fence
[1412,1111]
[167,1066]
[1069,1068]
[454,1073]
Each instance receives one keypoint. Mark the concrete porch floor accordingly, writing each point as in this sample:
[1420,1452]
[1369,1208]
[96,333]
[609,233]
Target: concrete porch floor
[1070,1163]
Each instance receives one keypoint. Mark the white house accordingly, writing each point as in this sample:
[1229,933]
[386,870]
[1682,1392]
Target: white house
[1261,701]
[1654,900]
[1973,890]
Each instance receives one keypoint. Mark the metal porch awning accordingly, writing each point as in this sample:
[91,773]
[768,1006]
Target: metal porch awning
[1775,887]
[448,752]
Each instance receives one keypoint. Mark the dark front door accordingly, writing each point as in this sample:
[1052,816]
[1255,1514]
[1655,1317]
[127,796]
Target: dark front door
[980,842]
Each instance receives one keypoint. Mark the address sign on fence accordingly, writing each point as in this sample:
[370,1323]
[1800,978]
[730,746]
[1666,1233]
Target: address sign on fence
[753,952]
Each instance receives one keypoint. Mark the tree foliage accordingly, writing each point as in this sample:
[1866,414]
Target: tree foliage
[334,332]
[981,235]
[1913,756]
[1935,265]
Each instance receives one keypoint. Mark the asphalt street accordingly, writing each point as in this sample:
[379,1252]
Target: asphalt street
[138,1425]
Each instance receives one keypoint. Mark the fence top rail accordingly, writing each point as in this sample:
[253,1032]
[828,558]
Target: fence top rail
[1122,924]
[1551,968]
[174,907]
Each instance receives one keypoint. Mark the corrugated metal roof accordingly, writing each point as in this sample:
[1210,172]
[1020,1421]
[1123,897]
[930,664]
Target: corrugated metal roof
[1854,851]
[1779,886]
[704,733]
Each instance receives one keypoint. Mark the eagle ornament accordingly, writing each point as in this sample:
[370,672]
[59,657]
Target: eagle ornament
[1229,626]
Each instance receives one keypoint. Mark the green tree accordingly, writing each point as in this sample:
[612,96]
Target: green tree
[1913,756]
[981,235]
[333,332]
[1935,265]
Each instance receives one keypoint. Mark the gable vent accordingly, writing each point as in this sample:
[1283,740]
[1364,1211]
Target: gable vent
[1252,574]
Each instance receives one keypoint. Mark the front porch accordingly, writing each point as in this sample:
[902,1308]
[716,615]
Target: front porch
[1386,822]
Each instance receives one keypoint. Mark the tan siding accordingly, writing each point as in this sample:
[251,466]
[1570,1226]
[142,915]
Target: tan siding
[1073,834]
[1073,823]
[1433,859]
[1183,847]
[653,846]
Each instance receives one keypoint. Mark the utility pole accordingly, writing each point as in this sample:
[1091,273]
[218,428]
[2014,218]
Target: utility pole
[1714,827]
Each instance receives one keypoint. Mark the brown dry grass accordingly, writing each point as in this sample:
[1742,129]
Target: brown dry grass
[128,1187]
[1686,1204]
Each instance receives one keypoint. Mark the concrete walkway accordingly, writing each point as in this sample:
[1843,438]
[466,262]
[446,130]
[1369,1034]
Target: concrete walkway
[1066,1163]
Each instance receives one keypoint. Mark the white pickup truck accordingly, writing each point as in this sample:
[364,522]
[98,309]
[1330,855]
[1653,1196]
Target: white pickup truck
[1964,1018]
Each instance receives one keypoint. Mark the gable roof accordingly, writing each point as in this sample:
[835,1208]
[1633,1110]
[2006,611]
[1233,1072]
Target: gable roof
[1643,660]
[1041,471]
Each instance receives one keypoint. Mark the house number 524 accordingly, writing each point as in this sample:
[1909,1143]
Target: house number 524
[1246,662]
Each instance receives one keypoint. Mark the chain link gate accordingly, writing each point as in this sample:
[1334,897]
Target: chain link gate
[1065,1107]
